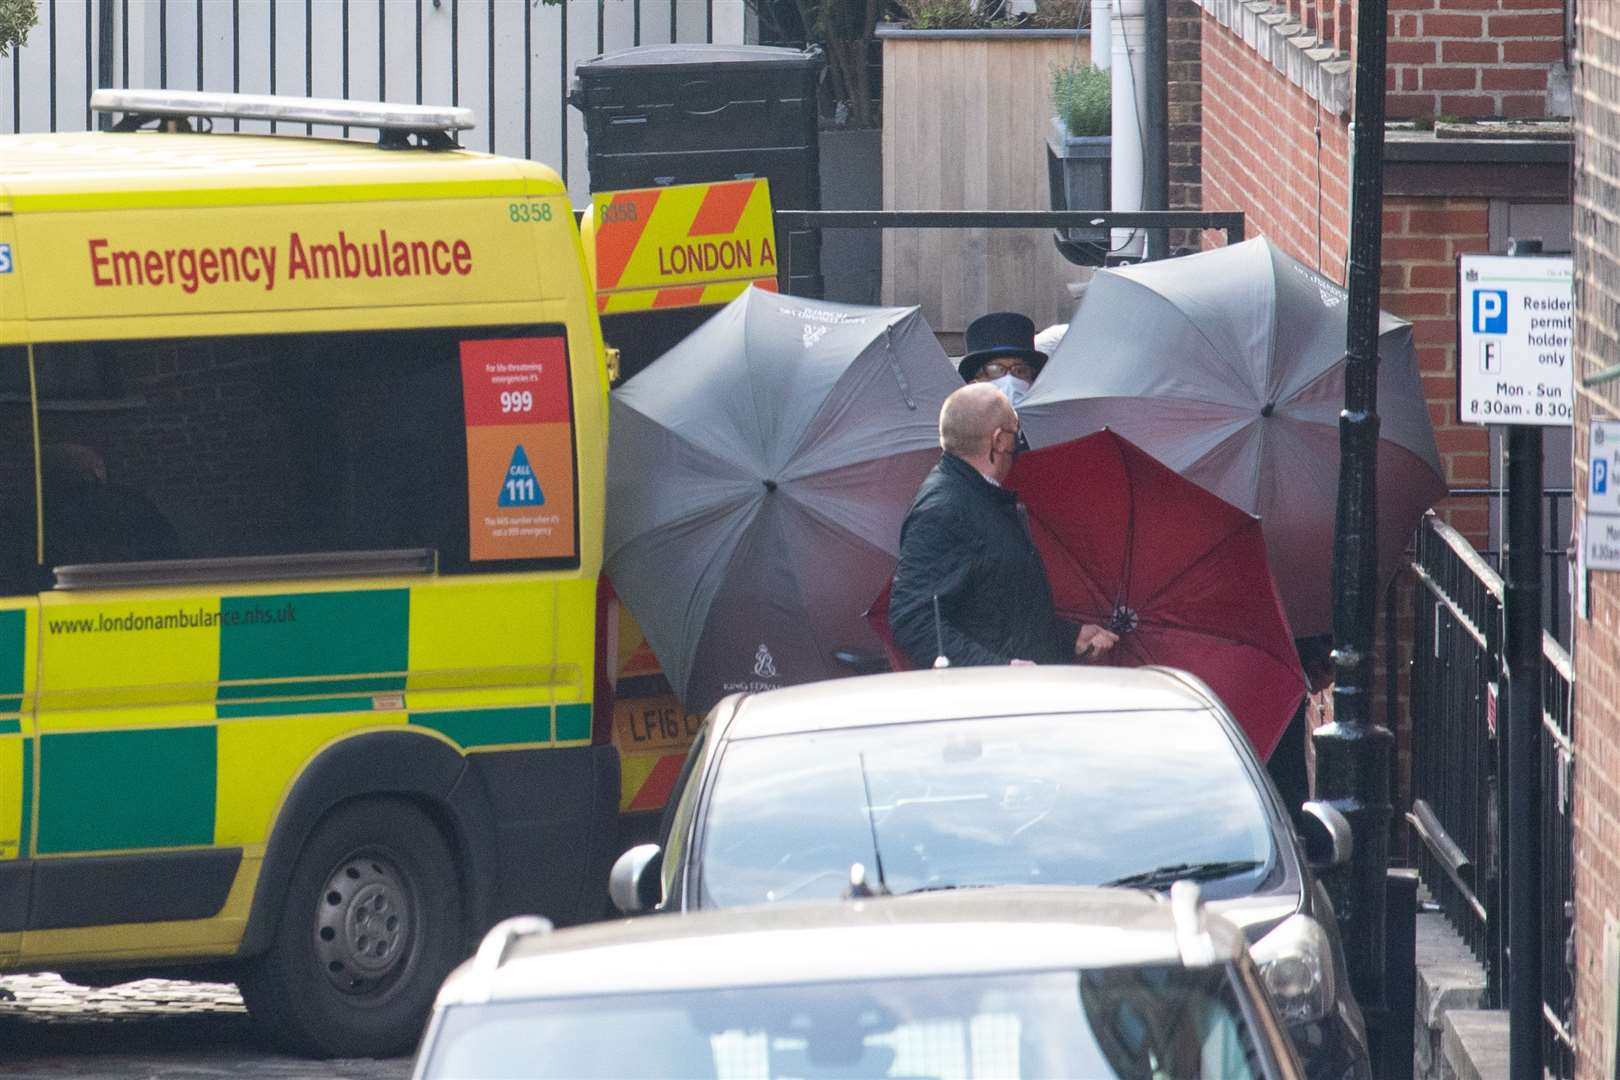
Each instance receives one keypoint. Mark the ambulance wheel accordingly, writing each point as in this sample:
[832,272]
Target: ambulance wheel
[371,925]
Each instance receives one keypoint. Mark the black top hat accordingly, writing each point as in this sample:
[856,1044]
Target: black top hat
[997,335]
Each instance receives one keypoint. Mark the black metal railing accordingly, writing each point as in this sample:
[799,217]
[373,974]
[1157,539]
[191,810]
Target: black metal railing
[1558,504]
[1456,679]
[1228,221]
[1458,774]
[1558,860]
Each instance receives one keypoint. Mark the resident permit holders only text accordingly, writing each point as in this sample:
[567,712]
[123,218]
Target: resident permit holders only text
[1515,325]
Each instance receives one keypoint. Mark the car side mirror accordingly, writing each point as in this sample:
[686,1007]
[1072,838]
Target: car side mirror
[1326,834]
[635,885]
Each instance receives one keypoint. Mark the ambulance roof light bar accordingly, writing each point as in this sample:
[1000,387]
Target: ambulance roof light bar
[433,125]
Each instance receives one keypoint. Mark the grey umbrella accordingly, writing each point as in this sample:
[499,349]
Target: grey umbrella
[1228,366]
[758,474]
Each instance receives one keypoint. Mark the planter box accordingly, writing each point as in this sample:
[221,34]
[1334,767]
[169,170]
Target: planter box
[1078,171]
[965,119]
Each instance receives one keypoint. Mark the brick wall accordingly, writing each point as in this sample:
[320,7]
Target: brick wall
[1597,640]
[1330,20]
[1183,55]
[1272,152]
[1473,59]
[1422,239]
[1262,155]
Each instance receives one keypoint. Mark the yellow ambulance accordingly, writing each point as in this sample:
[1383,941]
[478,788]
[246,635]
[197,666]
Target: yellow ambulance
[301,458]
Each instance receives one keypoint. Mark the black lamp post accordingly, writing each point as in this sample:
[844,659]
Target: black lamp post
[1353,753]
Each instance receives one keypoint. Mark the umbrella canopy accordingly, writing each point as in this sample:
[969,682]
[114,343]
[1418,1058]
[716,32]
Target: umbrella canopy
[1228,366]
[758,474]
[1179,574]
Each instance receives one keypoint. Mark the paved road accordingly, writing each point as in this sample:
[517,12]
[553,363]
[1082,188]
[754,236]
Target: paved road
[149,1030]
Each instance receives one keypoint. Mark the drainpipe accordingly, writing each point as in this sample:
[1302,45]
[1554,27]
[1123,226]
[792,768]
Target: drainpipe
[1156,151]
[1128,33]
[1522,646]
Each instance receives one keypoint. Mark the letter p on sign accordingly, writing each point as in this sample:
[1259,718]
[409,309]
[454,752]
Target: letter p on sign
[1490,311]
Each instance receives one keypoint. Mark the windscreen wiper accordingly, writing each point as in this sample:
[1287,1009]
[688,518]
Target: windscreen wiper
[1164,876]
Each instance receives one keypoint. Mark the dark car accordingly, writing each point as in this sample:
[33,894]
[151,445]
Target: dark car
[974,777]
[1093,983]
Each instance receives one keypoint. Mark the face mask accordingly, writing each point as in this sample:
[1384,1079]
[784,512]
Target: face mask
[1012,386]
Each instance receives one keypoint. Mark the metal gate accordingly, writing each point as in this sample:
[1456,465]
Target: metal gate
[511,61]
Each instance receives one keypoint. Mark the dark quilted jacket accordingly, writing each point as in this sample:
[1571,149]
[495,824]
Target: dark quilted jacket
[966,541]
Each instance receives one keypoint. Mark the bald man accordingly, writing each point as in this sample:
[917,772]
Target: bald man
[965,541]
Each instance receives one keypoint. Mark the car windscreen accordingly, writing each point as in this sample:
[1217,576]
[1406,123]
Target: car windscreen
[1136,1023]
[1087,799]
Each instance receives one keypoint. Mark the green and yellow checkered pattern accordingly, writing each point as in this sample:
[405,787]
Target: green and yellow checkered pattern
[191,735]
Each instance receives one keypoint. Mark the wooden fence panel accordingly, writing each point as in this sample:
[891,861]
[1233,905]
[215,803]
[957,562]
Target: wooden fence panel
[964,128]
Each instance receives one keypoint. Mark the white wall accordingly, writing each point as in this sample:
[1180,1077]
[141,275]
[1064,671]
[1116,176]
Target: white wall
[306,56]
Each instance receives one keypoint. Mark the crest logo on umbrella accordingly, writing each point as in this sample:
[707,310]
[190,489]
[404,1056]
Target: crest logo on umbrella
[764,664]
[813,334]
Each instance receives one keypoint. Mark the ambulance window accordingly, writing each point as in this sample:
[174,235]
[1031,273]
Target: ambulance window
[19,570]
[263,445]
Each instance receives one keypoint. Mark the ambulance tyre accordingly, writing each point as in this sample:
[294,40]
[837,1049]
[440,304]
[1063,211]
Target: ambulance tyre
[371,925]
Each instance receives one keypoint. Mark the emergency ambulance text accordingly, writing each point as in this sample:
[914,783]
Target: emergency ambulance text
[342,258]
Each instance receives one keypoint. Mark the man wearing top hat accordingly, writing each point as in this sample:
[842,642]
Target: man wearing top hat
[1001,351]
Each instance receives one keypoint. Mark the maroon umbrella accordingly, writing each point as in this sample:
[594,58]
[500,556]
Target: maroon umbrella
[1178,573]
[1228,366]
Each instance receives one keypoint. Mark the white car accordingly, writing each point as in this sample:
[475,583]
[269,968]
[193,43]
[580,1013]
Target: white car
[998,776]
[1002,984]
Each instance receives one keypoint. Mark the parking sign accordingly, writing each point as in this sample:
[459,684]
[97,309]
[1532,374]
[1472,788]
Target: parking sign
[1600,535]
[1515,329]
[1490,311]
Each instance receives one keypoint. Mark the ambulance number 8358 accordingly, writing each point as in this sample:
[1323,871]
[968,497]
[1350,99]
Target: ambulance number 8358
[522,211]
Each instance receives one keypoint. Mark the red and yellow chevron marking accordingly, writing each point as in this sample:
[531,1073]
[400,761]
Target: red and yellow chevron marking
[682,246]
[680,296]
[647,780]
[650,728]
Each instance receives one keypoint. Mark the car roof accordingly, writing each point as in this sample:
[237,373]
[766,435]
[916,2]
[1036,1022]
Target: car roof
[952,693]
[962,932]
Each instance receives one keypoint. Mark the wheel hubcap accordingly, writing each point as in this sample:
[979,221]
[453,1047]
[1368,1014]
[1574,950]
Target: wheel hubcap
[363,925]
